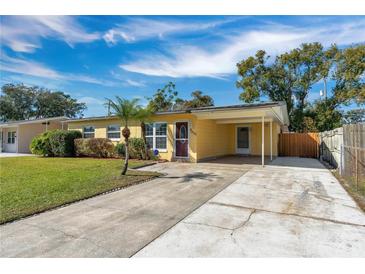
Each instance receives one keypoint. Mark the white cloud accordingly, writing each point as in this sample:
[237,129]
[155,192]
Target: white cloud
[141,28]
[195,61]
[134,83]
[23,33]
[91,101]
[31,68]
[127,82]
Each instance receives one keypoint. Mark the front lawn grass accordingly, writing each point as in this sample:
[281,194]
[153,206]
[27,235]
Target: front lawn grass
[30,185]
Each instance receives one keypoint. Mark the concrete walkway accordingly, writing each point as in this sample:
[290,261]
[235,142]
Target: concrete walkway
[120,223]
[10,154]
[292,208]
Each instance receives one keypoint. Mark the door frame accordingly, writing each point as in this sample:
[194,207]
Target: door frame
[174,132]
[15,145]
[239,150]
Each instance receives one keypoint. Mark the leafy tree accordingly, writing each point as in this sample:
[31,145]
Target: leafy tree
[324,115]
[167,99]
[53,104]
[17,102]
[164,98]
[126,110]
[290,77]
[348,68]
[199,100]
[349,76]
[20,102]
[354,116]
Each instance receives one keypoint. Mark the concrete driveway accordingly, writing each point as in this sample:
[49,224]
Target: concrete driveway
[120,223]
[292,208]
[11,154]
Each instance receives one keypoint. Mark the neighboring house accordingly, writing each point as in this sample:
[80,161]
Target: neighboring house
[16,136]
[201,133]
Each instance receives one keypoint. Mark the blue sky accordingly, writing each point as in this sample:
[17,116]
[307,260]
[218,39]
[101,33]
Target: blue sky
[98,57]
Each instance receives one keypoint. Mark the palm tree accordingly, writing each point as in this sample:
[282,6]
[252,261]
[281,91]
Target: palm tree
[144,116]
[126,110]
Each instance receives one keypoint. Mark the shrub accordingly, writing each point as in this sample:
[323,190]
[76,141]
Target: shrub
[120,149]
[62,142]
[94,147]
[136,148]
[40,145]
[59,143]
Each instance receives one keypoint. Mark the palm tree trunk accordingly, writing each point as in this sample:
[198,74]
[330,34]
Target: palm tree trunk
[143,130]
[124,171]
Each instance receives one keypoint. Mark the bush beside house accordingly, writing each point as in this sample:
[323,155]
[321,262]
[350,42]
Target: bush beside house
[136,149]
[94,147]
[55,143]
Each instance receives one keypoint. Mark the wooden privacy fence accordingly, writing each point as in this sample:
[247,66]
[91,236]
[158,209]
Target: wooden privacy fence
[299,145]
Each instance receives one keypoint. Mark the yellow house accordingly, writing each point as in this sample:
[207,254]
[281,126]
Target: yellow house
[202,133]
[16,136]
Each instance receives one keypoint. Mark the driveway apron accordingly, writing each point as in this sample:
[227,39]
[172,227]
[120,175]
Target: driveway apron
[118,224]
[292,208]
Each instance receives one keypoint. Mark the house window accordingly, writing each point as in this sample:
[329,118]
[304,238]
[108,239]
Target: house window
[89,132]
[11,137]
[156,136]
[113,132]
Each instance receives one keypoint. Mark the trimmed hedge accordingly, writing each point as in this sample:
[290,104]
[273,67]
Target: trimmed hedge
[55,143]
[94,147]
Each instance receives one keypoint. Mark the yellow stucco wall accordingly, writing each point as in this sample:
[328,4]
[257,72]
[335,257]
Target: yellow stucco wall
[135,128]
[255,138]
[206,138]
[220,139]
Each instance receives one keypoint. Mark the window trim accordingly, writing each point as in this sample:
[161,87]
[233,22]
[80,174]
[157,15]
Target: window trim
[12,137]
[154,136]
[113,131]
[83,132]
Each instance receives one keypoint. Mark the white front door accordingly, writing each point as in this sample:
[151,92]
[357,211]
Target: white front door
[243,140]
[10,141]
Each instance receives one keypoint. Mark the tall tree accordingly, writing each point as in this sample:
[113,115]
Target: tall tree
[20,102]
[199,100]
[291,76]
[52,104]
[349,76]
[348,69]
[17,102]
[261,78]
[164,98]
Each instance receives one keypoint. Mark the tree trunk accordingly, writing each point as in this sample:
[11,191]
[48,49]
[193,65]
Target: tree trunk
[143,130]
[124,171]
[126,133]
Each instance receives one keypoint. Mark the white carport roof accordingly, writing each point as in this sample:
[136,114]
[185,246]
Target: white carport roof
[33,121]
[246,113]
[275,112]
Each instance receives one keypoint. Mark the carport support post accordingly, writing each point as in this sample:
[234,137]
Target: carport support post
[270,140]
[263,142]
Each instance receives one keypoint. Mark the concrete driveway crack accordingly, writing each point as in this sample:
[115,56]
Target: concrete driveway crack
[244,223]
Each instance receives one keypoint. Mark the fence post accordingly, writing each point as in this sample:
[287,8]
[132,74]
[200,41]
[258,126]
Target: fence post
[341,161]
[356,170]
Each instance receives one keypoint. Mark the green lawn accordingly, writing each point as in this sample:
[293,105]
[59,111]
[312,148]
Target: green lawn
[33,184]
